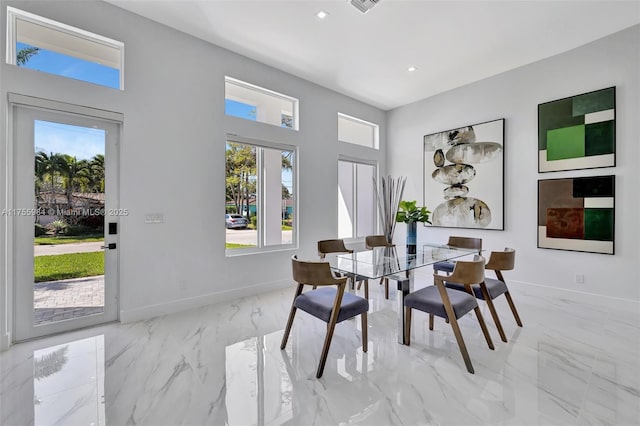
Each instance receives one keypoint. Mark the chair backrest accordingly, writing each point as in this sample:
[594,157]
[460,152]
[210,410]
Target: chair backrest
[466,242]
[372,241]
[468,272]
[502,260]
[331,246]
[314,273]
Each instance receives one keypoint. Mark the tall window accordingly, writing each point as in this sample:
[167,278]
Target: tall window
[260,195]
[49,46]
[251,102]
[356,199]
[356,131]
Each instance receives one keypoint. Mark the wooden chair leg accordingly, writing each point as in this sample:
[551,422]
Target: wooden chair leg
[365,337]
[386,288]
[292,314]
[407,326]
[325,348]
[513,308]
[366,289]
[431,322]
[492,309]
[483,326]
[463,348]
[496,319]
[287,330]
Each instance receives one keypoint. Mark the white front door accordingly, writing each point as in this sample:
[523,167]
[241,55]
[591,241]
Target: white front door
[64,216]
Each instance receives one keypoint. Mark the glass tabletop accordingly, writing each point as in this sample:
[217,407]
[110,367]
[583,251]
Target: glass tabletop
[383,261]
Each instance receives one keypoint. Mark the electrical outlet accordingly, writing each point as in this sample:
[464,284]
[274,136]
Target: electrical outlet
[579,279]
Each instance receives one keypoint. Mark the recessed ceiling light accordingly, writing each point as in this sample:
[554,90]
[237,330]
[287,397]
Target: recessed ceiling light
[411,69]
[322,14]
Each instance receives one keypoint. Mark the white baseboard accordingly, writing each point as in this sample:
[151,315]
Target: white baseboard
[576,295]
[151,311]
[5,341]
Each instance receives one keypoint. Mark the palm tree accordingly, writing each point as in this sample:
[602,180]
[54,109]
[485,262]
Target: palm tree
[73,173]
[96,166]
[55,166]
[26,53]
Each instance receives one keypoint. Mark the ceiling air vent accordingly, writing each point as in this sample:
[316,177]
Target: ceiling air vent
[364,5]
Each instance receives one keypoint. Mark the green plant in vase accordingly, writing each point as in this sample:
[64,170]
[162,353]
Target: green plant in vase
[411,214]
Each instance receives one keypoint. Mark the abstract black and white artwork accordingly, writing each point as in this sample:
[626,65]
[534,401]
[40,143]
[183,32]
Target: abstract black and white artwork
[464,176]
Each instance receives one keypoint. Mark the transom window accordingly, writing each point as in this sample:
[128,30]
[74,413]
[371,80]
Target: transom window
[45,45]
[260,195]
[356,131]
[251,102]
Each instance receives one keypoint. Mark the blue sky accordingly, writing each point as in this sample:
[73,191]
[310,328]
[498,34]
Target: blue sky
[71,67]
[80,142]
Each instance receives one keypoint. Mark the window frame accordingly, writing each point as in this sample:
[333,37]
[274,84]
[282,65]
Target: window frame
[267,92]
[14,14]
[261,198]
[375,128]
[376,222]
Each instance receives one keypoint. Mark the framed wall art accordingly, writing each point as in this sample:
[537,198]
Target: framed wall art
[464,176]
[577,214]
[578,132]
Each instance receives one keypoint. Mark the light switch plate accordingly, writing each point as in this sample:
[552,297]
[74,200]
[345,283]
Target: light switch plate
[154,218]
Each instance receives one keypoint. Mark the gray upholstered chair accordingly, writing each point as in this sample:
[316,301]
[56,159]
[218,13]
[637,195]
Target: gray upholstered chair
[461,242]
[329,302]
[450,304]
[326,247]
[491,288]
[372,241]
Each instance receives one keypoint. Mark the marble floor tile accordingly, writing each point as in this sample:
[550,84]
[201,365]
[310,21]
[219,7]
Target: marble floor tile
[575,362]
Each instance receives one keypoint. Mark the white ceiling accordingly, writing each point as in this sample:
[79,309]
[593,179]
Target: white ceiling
[366,56]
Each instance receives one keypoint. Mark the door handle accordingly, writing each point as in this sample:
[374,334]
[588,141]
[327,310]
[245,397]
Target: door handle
[110,246]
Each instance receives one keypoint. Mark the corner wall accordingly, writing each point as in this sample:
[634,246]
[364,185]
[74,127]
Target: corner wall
[515,95]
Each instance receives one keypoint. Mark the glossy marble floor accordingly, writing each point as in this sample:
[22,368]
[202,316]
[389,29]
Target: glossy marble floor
[576,361]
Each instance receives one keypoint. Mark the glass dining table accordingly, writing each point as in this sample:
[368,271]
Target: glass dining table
[397,265]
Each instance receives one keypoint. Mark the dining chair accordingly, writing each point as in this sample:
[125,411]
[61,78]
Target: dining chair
[372,241]
[491,288]
[460,242]
[331,305]
[337,246]
[450,304]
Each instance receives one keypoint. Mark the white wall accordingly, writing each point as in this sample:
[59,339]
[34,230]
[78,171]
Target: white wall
[172,158]
[515,95]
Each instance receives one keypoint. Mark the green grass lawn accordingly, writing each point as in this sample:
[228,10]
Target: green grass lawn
[234,245]
[65,266]
[48,241]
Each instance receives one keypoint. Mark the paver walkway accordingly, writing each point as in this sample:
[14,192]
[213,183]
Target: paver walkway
[65,299]
[67,248]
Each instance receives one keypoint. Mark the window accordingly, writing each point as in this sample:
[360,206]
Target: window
[356,199]
[260,194]
[255,103]
[356,131]
[49,46]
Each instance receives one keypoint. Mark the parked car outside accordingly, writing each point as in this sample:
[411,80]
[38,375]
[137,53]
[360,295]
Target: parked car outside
[233,221]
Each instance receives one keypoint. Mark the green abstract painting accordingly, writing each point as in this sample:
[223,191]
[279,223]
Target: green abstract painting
[577,132]
[577,214]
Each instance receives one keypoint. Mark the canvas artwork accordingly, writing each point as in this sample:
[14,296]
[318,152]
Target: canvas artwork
[577,214]
[464,176]
[577,132]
